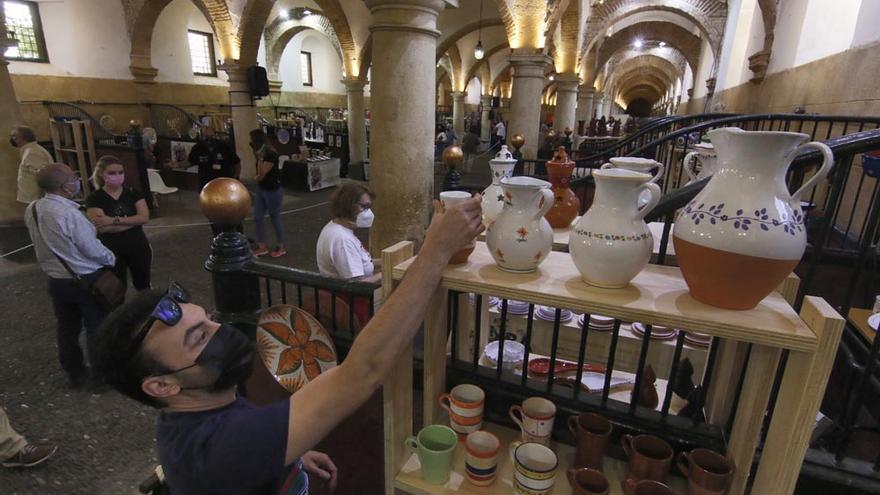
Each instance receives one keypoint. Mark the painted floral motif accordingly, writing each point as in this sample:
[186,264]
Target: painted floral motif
[522,233]
[613,237]
[300,354]
[500,198]
[508,198]
[500,254]
[742,221]
[541,202]
[538,256]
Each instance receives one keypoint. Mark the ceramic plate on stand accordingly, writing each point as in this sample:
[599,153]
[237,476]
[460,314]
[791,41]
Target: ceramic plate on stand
[293,345]
[698,339]
[517,307]
[283,136]
[874,321]
[514,353]
[547,313]
[657,332]
[598,323]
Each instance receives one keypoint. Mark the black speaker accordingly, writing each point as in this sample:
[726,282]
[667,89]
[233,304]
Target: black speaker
[258,81]
[496,101]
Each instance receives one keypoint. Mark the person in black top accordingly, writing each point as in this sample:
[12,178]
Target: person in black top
[118,212]
[214,157]
[270,194]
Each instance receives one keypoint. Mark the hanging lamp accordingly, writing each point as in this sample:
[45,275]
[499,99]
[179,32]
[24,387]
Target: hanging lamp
[478,50]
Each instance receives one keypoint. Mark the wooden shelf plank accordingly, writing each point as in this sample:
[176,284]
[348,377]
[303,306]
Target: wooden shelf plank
[658,295]
[410,480]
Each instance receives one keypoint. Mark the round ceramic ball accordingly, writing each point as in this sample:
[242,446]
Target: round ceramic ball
[225,201]
[517,140]
[453,156]
[568,131]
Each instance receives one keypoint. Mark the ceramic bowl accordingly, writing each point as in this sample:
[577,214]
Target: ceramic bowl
[514,353]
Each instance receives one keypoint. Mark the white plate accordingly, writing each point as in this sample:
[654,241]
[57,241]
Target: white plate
[283,136]
[547,313]
[874,321]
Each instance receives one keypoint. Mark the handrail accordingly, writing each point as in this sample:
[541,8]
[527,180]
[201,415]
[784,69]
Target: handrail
[311,279]
[97,129]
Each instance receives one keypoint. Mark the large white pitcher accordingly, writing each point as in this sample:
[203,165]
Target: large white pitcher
[611,243]
[704,155]
[744,233]
[641,165]
[520,237]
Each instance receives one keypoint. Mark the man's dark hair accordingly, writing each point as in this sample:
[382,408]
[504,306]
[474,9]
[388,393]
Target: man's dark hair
[25,133]
[122,370]
[343,202]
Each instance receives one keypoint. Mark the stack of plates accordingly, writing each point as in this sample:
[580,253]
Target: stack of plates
[658,332]
[517,307]
[598,322]
[697,339]
[548,313]
[492,300]
[514,353]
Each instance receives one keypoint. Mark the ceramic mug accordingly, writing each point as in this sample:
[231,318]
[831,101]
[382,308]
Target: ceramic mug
[481,457]
[591,432]
[435,446]
[534,468]
[707,471]
[535,419]
[650,457]
[464,403]
[587,481]
[645,487]
[452,198]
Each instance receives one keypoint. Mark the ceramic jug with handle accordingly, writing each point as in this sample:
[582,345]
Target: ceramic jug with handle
[704,155]
[611,243]
[566,204]
[520,237]
[739,238]
[637,164]
[493,198]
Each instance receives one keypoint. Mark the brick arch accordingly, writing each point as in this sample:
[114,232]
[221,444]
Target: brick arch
[656,81]
[485,64]
[565,54]
[647,93]
[507,18]
[456,69]
[453,38]
[276,49]
[643,63]
[502,76]
[144,23]
[365,59]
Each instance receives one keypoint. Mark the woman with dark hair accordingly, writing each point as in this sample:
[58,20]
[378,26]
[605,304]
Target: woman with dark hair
[340,253]
[269,196]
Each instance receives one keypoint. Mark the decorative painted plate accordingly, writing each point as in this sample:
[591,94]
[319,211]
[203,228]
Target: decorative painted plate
[193,133]
[107,122]
[283,136]
[149,135]
[294,346]
[874,321]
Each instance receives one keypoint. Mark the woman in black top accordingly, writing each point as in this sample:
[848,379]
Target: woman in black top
[270,194]
[119,212]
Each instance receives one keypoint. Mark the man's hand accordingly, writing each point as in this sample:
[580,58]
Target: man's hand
[454,229]
[320,465]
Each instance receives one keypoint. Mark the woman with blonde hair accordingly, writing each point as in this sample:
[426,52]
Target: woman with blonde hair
[119,213]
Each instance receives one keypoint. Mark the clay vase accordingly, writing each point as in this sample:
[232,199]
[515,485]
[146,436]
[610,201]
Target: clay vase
[636,164]
[493,198]
[704,156]
[520,238]
[566,204]
[611,243]
[591,432]
[739,238]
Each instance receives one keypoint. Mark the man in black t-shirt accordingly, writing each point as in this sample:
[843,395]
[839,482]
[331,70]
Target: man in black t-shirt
[214,157]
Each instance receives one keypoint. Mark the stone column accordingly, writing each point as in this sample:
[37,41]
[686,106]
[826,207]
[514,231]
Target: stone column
[244,117]
[566,103]
[458,113]
[600,105]
[402,98]
[11,211]
[485,130]
[584,105]
[357,129]
[525,105]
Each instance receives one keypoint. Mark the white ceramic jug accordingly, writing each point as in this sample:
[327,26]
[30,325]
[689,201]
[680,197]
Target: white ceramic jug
[638,164]
[520,237]
[493,198]
[611,243]
[739,238]
[704,155]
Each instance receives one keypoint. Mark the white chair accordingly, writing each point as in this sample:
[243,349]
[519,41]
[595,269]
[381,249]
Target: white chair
[157,185]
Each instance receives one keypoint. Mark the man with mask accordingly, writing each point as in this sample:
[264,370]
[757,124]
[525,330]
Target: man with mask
[68,249]
[164,351]
[214,157]
[33,158]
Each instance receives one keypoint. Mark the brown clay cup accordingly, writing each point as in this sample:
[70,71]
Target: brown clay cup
[586,481]
[707,471]
[646,487]
[591,432]
[650,457]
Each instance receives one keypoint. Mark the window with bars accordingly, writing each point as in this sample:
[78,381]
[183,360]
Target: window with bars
[23,22]
[305,60]
[201,52]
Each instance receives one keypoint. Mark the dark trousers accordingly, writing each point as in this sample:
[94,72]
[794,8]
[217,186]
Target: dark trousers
[133,254]
[74,307]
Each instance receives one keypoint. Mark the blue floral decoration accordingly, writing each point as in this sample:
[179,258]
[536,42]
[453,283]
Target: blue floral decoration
[742,221]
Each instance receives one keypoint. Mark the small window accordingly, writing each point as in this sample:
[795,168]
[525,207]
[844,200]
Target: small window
[305,60]
[201,51]
[23,22]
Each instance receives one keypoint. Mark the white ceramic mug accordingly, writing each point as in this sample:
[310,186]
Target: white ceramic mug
[481,457]
[464,403]
[534,468]
[535,419]
[449,199]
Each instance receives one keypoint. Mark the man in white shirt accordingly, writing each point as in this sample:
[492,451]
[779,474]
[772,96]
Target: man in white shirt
[498,134]
[33,158]
[59,230]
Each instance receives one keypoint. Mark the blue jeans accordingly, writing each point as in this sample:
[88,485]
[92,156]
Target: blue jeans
[74,306]
[268,201]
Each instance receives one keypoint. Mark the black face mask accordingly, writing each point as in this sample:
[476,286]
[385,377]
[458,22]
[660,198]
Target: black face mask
[229,353]
[13,143]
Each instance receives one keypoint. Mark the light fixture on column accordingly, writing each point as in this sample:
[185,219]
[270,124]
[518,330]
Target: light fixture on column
[478,50]
[284,14]
[552,77]
[638,43]
[662,44]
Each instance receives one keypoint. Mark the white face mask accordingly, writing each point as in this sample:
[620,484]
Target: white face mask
[365,218]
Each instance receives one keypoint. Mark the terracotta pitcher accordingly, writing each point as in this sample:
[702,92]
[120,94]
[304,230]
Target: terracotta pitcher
[744,233]
[520,237]
[566,204]
[493,198]
[611,243]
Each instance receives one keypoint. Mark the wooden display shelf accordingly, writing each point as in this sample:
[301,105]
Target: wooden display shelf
[658,295]
[859,319]
[410,480]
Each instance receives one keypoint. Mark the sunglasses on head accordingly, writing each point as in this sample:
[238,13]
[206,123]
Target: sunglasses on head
[167,310]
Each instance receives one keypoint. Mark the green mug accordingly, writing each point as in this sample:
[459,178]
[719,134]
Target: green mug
[435,446]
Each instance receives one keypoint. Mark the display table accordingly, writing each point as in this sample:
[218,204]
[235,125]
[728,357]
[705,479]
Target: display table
[859,319]
[186,179]
[658,296]
[311,176]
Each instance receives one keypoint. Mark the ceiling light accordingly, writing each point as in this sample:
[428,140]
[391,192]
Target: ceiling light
[638,43]
[307,12]
[284,14]
[478,51]
[551,77]
[662,44]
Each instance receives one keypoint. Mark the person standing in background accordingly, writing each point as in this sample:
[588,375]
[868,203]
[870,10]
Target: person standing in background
[33,158]
[214,158]
[469,144]
[499,133]
[269,195]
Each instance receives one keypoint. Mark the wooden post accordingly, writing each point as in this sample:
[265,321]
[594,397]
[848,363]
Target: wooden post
[397,400]
[435,356]
[750,413]
[800,395]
